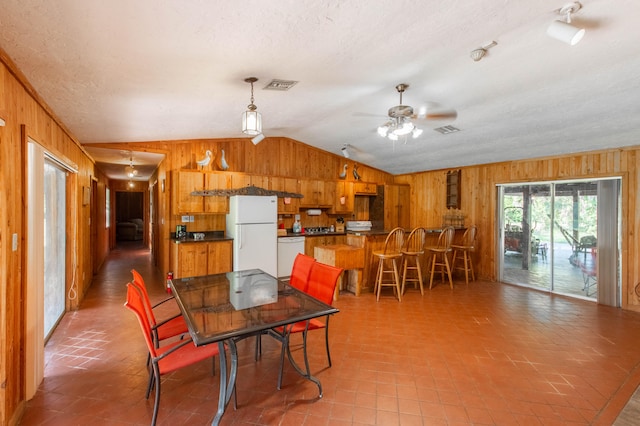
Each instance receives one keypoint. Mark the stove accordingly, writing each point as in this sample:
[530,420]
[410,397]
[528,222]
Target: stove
[317,230]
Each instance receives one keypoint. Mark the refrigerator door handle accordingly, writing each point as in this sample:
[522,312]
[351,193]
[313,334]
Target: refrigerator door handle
[239,228]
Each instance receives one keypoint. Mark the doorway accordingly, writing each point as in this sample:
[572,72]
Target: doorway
[557,237]
[49,182]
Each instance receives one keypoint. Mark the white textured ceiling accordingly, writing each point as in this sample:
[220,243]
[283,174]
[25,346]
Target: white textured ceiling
[123,70]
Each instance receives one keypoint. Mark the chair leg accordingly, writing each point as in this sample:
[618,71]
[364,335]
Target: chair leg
[433,268]
[419,268]
[446,263]
[397,279]
[156,403]
[405,261]
[379,279]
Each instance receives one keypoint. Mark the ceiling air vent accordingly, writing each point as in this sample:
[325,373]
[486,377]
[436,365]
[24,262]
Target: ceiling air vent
[445,130]
[280,85]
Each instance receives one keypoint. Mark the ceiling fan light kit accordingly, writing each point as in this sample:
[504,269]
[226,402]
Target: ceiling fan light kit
[563,30]
[251,119]
[480,52]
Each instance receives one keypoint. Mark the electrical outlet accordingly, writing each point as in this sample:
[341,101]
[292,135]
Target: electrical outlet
[191,219]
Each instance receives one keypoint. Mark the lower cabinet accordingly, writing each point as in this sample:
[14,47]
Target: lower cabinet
[310,243]
[201,258]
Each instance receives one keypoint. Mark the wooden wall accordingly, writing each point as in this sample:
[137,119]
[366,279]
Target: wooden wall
[274,156]
[27,116]
[479,200]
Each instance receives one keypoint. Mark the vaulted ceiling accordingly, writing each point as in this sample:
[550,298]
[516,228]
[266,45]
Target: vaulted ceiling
[145,70]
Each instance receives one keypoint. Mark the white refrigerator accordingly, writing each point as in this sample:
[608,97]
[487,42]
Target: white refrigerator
[252,223]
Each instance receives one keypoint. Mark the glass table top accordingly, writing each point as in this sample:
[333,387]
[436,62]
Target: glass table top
[240,303]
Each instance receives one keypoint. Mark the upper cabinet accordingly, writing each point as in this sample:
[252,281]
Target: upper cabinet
[184,182]
[217,204]
[365,188]
[344,198]
[286,205]
[453,189]
[316,193]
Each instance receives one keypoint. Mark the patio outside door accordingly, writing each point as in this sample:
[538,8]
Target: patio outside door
[553,234]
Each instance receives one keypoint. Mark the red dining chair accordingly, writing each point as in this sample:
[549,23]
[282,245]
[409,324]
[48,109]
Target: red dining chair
[322,285]
[301,271]
[299,279]
[170,357]
[166,328]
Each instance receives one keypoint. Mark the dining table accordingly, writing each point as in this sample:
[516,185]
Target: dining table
[225,308]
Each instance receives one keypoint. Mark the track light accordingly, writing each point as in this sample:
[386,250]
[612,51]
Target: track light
[256,140]
[564,31]
[345,151]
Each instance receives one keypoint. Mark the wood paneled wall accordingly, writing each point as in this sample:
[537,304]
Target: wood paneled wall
[479,200]
[274,156]
[27,116]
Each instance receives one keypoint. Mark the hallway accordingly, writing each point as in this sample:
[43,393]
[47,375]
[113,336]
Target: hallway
[486,354]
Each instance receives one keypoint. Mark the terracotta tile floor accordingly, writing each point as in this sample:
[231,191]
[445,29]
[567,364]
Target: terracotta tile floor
[487,354]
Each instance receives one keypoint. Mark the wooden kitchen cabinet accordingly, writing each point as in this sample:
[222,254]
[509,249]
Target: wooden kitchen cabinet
[219,257]
[316,193]
[217,204]
[286,185]
[396,206]
[343,189]
[183,183]
[311,242]
[365,188]
[192,260]
[201,258]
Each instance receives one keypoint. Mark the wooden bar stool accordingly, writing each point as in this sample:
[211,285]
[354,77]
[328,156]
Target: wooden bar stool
[463,252]
[412,250]
[387,262]
[442,251]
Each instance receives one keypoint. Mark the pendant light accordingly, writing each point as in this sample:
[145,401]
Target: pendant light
[251,119]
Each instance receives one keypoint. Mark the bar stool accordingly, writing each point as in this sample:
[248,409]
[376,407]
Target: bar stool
[389,255]
[463,252]
[412,250]
[442,250]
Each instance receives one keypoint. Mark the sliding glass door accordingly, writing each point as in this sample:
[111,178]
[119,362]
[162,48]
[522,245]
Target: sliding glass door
[550,234]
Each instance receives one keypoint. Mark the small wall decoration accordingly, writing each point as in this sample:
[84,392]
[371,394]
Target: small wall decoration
[86,195]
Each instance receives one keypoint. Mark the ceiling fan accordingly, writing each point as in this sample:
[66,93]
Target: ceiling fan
[402,117]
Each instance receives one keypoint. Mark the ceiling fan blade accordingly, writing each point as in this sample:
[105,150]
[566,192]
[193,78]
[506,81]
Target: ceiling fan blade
[436,114]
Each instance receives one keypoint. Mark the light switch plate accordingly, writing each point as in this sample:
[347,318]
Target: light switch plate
[185,218]
[14,242]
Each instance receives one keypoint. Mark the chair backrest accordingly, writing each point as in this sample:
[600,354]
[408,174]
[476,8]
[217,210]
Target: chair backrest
[446,238]
[145,300]
[469,237]
[394,241]
[135,304]
[138,278]
[301,271]
[322,281]
[415,240]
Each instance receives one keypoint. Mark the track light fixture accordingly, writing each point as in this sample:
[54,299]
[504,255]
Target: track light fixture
[563,30]
[256,140]
[345,151]
[251,119]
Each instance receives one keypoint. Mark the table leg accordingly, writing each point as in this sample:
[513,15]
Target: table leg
[307,375]
[226,386]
